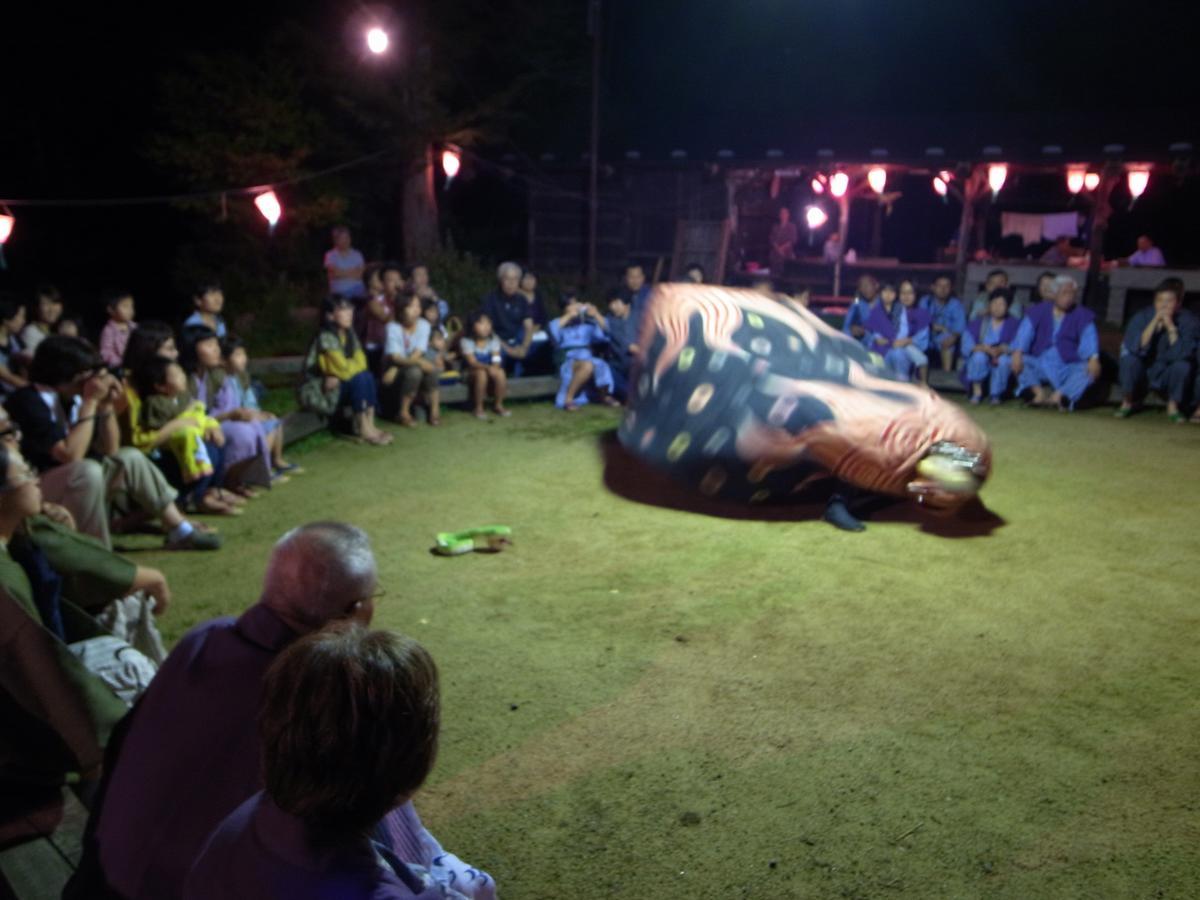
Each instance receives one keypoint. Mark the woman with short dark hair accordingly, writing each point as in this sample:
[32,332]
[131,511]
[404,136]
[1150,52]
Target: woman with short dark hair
[349,726]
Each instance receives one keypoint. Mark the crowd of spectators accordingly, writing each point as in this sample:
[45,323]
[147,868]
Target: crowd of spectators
[278,753]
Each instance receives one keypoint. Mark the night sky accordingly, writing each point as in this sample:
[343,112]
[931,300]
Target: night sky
[81,91]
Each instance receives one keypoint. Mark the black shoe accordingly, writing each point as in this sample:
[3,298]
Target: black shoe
[838,515]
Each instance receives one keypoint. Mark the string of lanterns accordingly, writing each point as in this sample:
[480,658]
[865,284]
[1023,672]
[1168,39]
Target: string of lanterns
[1137,179]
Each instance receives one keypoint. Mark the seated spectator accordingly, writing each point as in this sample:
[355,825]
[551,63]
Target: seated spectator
[803,295]
[1146,254]
[855,322]
[899,332]
[997,278]
[1059,254]
[115,335]
[621,337]
[538,358]
[987,348]
[247,448]
[483,365]
[153,419]
[574,332]
[58,714]
[348,726]
[407,362]
[336,379]
[237,365]
[209,301]
[1158,353]
[344,265]
[379,312]
[418,282]
[12,320]
[70,434]
[511,319]
[694,273]
[183,429]
[635,292]
[42,316]
[1056,353]
[947,321]
[190,754]
[69,326]
[831,250]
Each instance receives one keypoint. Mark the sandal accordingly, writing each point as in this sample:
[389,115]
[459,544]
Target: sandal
[501,411]
[288,468]
[488,539]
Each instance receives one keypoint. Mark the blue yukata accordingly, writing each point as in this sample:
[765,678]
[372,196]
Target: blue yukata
[620,336]
[950,315]
[195,320]
[1056,349]
[575,340]
[885,327]
[638,301]
[856,315]
[980,367]
[1160,366]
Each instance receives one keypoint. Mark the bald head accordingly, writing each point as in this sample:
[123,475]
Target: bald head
[320,572]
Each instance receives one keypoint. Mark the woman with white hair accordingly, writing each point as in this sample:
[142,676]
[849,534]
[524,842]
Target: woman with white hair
[1056,353]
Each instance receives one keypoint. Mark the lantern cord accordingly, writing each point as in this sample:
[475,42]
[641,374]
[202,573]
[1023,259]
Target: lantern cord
[197,195]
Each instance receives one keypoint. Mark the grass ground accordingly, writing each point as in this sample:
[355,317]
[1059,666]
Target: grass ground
[645,702]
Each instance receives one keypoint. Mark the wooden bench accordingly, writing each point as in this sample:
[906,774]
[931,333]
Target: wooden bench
[301,423]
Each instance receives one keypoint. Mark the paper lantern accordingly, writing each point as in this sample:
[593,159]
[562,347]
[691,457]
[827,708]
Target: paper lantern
[1137,179]
[7,221]
[377,40]
[268,205]
[946,175]
[997,174]
[1091,181]
[451,162]
[815,217]
[817,187]
[838,183]
[939,185]
[877,179]
[1075,179]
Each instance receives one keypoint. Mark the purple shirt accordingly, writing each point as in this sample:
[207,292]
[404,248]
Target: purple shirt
[264,853]
[1151,257]
[191,756]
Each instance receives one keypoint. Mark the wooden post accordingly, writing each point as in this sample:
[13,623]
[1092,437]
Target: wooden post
[972,193]
[1101,212]
[843,203]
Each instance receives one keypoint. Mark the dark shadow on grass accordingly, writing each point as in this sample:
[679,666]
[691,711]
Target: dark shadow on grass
[632,479]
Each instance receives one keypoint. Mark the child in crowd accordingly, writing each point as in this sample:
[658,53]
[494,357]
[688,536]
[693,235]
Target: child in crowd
[483,365]
[336,378]
[12,320]
[209,301]
[574,332]
[43,314]
[237,364]
[621,339]
[69,326]
[169,410]
[419,285]
[115,335]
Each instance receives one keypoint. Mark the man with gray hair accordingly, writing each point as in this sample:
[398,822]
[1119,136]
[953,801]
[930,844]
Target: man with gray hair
[509,311]
[1056,353]
[189,752]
